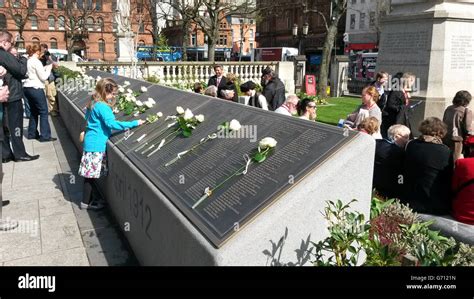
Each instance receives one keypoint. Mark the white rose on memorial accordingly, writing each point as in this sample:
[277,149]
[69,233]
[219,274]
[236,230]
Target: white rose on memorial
[148,104]
[179,110]
[139,103]
[130,91]
[121,89]
[200,118]
[267,142]
[151,101]
[188,114]
[143,89]
[234,125]
[98,78]
[126,83]
[159,114]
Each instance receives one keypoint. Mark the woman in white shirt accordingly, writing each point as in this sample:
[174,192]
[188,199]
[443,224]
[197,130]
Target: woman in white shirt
[33,88]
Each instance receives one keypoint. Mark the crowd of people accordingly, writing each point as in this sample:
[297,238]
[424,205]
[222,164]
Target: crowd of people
[271,97]
[432,173]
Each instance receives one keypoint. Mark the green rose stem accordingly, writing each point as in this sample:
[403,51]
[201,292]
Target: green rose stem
[180,155]
[241,170]
[176,133]
[153,140]
[153,144]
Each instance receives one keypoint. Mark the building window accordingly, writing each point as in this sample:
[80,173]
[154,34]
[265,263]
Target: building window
[362,21]
[61,23]
[100,24]
[101,46]
[53,43]
[223,40]
[141,42]
[60,4]
[251,46]
[34,22]
[18,20]
[353,21]
[35,41]
[251,33]
[17,4]
[222,25]
[20,43]
[141,27]
[372,19]
[140,6]
[115,25]
[98,5]
[32,4]
[193,40]
[79,4]
[3,21]
[114,5]
[51,23]
[51,4]
[90,24]
[2,3]
[90,5]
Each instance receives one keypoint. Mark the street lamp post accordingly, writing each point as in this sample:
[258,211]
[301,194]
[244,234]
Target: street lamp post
[241,38]
[300,37]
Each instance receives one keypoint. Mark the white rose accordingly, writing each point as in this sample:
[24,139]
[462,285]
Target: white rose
[179,110]
[131,98]
[148,104]
[234,125]
[159,114]
[151,101]
[267,142]
[200,118]
[188,114]
[143,89]
[121,89]
[139,103]
[126,83]
[98,78]
[130,91]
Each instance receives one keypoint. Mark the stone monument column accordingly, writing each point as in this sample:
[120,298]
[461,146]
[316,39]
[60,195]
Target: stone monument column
[124,31]
[435,40]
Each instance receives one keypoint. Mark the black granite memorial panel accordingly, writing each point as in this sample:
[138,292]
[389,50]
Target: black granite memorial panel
[302,146]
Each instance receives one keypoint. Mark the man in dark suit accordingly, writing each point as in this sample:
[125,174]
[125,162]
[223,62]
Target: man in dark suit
[4,93]
[13,109]
[218,80]
[388,165]
[273,89]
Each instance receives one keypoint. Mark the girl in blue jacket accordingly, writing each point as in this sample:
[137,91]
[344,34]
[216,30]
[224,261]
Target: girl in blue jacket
[100,123]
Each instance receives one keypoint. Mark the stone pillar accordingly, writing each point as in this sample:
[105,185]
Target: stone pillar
[339,75]
[435,40]
[286,73]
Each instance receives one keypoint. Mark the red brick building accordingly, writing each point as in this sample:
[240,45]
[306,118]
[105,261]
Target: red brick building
[47,24]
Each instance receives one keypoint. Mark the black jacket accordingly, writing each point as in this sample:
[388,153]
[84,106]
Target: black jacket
[17,69]
[395,103]
[388,168]
[427,177]
[213,81]
[274,92]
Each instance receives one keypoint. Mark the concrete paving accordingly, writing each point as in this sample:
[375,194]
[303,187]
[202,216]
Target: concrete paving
[44,198]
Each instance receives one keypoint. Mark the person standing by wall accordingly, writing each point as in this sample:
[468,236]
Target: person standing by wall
[49,85]
[273,89]
[34,93]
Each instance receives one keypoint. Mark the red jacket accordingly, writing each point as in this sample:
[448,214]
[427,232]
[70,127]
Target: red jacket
[463,203]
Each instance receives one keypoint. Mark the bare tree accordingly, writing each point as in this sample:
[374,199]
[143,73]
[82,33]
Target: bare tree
[75,15]
[213,12]
[20,11]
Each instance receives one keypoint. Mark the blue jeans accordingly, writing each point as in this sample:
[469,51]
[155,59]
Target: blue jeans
[38,107]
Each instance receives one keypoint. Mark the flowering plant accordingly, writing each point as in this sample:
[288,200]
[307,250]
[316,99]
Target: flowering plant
[128,103]
[184,122]
[226,127]
[265,148]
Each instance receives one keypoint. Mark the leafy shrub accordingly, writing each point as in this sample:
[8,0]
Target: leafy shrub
[64,72]
[317,99]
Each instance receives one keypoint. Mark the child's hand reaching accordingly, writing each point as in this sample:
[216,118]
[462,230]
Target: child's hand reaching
[141,122]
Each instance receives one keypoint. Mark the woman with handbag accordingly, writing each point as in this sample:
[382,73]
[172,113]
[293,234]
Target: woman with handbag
[100,123]
[458,118]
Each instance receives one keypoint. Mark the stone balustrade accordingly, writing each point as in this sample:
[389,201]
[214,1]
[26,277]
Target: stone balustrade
[170,73]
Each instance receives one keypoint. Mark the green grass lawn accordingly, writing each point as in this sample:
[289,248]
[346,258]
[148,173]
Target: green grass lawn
[338,108]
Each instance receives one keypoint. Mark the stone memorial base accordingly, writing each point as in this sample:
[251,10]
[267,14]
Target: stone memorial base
[161,231]
[126,48]
[435,41]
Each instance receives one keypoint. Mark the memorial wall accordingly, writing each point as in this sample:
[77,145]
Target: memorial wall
[215,205]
